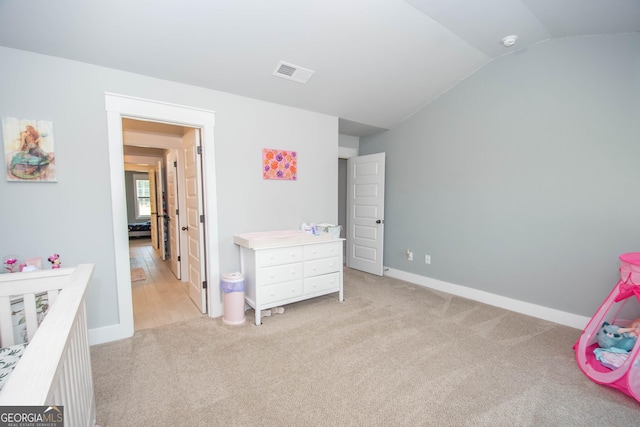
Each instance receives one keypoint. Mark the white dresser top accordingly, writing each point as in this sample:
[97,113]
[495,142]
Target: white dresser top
[271,239]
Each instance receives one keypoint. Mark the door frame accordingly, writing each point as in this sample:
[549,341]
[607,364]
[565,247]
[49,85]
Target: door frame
[122,106]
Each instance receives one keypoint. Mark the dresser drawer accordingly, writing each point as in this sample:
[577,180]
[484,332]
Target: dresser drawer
[280,292]
[327,282]
[322,250]
[279,273]
[267,257]
[321,266]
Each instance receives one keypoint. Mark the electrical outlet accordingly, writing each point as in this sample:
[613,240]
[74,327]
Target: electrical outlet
[427,259]
[409,255]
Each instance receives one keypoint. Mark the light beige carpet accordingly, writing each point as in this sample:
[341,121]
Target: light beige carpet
[138,275]
[392,354]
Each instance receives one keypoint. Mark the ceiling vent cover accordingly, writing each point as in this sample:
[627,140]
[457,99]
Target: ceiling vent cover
[293,72]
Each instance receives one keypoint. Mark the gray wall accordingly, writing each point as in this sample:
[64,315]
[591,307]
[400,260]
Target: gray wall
[352,143]
[73,216]
[130,193]
[349,141]
[342,195]
[523,180]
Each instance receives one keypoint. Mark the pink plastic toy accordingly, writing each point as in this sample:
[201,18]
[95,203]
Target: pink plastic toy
[622,307]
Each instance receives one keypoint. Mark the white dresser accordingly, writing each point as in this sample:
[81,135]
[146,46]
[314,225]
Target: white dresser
[288,270]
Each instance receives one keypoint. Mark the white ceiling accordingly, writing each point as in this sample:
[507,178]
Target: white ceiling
[376,62]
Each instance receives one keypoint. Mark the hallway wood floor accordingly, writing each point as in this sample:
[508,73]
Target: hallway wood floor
[160,299]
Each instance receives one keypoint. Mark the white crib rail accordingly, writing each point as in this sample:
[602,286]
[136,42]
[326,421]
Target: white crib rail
[55,368]
[27,285]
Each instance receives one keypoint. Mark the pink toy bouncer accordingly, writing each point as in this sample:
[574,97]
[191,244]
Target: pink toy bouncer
[621,308]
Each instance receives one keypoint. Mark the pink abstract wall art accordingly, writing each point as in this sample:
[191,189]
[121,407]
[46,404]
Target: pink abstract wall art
[279,164]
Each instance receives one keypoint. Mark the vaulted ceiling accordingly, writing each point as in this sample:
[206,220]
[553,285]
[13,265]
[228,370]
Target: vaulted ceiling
[374,62]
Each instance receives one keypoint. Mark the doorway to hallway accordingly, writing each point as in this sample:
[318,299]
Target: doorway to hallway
[122,106]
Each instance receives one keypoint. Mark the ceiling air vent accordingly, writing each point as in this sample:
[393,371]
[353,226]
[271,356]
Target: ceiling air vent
[293,72]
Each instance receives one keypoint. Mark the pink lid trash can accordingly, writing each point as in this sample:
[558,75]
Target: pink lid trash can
[232,286]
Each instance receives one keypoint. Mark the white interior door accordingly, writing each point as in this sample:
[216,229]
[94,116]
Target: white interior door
[172,213]
[195,218]
[365,213]
[162,211]
[154,210]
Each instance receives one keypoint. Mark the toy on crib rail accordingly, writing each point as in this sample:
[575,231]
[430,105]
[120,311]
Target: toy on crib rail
[10,263]
[55,261]
[610,336]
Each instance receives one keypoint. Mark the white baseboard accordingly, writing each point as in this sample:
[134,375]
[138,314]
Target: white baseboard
[108,334]
[541,312]
[119,332]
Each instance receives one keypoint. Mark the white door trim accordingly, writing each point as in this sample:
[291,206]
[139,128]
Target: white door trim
[117,107]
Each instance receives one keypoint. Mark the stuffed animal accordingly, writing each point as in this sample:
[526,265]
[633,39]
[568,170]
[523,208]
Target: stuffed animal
[608,336]
[55,261]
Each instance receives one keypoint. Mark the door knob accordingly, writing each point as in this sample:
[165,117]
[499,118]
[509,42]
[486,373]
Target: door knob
[379,221]
[185,228]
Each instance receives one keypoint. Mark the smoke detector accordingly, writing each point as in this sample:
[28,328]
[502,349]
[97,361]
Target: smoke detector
[293,72]
[509,41]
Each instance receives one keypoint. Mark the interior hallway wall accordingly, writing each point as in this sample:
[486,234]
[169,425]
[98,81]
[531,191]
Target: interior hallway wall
[350,145]
[342,195]
[130,192]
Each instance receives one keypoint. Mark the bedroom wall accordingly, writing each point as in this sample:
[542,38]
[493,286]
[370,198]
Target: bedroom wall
[73,216]
[522,181]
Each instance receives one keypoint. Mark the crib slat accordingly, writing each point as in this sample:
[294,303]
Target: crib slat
[30,314]
[6,323]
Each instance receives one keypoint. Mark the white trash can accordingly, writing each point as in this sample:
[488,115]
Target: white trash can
[232,287]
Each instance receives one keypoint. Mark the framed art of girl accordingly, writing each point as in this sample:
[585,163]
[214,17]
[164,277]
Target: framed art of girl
[29,150]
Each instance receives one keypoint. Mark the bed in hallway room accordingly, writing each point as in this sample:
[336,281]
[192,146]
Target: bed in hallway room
[140,229]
